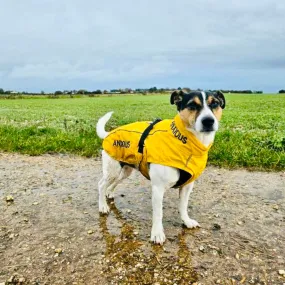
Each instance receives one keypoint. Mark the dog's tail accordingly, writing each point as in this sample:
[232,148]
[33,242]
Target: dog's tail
[100,127]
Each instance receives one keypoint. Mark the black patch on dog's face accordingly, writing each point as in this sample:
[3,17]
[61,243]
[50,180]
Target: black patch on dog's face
[215,97]
[212,101]
[192,100]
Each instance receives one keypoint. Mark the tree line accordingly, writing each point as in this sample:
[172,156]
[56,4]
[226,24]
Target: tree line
[124,91]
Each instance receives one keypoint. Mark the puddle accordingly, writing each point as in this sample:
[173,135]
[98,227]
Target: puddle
[129,260]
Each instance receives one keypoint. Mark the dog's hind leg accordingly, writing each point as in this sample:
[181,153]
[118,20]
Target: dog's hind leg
[111,173]
[125,172]
[103,206]
[184,193]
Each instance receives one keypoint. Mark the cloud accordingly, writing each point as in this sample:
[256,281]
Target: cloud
[157,66]
[117,42]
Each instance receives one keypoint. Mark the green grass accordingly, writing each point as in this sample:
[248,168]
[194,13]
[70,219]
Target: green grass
[252,130]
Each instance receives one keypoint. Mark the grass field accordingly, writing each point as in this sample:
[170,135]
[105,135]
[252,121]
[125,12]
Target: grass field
[252,131]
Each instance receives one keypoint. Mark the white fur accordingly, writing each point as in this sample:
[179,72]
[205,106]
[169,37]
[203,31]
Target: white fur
[113,173]
[184,194]
[205,138]
[162,178]
[100,127]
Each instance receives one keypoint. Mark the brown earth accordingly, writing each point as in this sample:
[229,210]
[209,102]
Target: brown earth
[52,233]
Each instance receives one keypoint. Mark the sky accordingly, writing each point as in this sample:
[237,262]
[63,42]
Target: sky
[89,44]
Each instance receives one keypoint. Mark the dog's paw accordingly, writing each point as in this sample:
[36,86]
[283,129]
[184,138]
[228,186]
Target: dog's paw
[189,223]
[157,236]
[104,208]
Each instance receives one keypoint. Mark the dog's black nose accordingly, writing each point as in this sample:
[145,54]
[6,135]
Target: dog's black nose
[208,122]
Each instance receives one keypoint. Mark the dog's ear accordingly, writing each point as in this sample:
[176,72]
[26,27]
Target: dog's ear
[176,97]
[220,96]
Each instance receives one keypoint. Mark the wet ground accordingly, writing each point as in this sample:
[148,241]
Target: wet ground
[51,231]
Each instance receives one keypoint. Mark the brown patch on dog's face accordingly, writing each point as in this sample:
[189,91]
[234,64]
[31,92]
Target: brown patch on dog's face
[210,99]
[192,109]
[214,105]
[218,113]
[196,100]
[189,117]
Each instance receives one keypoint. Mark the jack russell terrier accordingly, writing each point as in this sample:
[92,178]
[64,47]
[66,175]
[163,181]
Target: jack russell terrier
[171,153]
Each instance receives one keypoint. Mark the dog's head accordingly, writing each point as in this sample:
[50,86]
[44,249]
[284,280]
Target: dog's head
[201,111]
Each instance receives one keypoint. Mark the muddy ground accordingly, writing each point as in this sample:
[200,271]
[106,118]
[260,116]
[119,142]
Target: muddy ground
[52,233]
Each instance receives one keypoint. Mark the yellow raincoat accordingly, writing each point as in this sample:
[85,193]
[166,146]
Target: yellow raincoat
[168,143]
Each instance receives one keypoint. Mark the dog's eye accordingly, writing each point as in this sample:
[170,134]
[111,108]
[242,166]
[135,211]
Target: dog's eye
[193,106]
[214,105]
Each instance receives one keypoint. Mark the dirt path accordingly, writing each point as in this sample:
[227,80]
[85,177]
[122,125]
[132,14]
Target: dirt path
[242,239]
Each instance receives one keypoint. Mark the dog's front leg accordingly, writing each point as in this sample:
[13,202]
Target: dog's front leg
[183,206]
[162,178]
[157,232]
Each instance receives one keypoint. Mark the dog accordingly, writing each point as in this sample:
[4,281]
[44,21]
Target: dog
[171,153]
